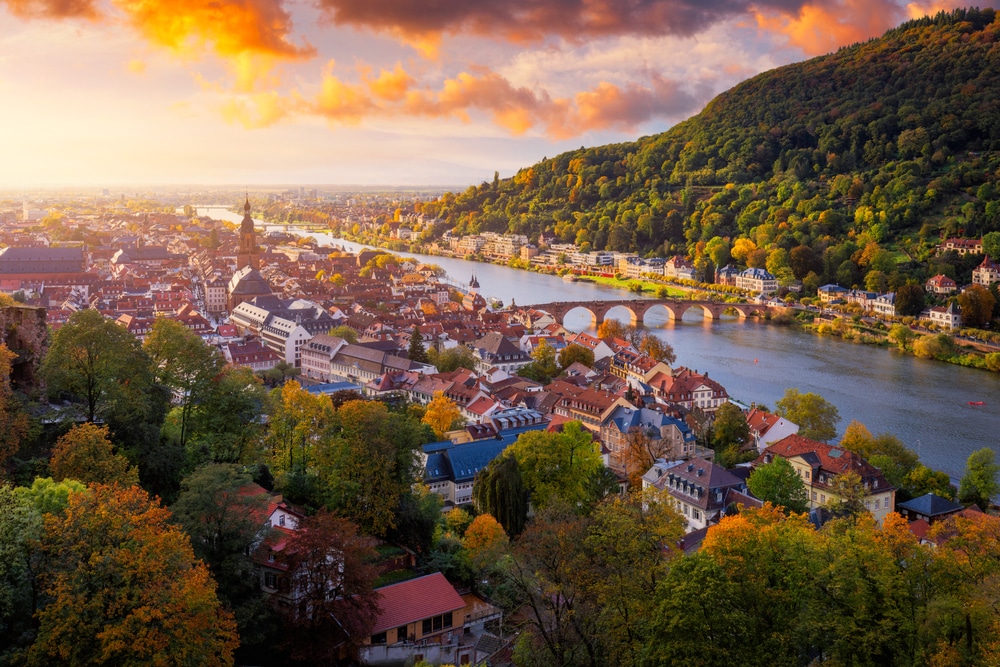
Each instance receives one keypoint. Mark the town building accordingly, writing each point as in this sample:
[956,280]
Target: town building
[700,490]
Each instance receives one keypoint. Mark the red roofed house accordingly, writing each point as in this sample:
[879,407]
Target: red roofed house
[819,464]
[767,428]
[941,284]
[426,619]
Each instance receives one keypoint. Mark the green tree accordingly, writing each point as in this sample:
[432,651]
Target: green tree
[816,418]
[225,519]
[777,482]
[991,244]
[922,480]
[452,358]
[847,495]
[225,427]
[345,332]
[20,529]
[902,335]
[543,366]
[556,465]
[979,484]
[729,427]
[575,353]
[936,346]
[185,364]
[86,454]
[499,490]
[367,460]
[124,587]
[15,426]
[101,364]
[417,352]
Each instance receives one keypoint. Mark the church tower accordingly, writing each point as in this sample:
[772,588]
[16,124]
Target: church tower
[247,254]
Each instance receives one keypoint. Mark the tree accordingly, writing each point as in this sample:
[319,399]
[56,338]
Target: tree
[345,332]
[543,366]
[816,418]
[183,363]
[225,425]
[847,495]
[909,300]
[777,482]
[885,451]
[979,483]
[20,528]
[14,423]
[417,352]
[902,335]
[575,353]
[922,480]
[991,244]
[86,454]
[442,414]
[484,540]
[100,363]
[556,465]
[330,588]
[977,304]
[654,348]
[729,427]
[225,518]
[367,461]
[124,587]
[452,358]
[936,346]
[499,490]
[298,420]
[612,328]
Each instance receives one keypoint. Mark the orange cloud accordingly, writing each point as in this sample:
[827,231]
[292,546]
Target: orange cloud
[256,111]
[53,9]
[518,110]
[820,28]
[227,27]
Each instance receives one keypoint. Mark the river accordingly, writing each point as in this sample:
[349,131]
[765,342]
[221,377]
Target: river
[925,403]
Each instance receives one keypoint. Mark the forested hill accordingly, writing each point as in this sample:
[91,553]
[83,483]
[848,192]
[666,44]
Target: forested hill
[896,140]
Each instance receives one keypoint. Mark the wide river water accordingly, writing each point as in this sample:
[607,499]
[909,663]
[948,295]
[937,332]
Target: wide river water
[925,403]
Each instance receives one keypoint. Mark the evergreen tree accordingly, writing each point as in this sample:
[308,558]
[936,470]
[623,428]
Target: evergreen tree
[417,351]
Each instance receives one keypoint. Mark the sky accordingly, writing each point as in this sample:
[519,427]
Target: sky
[375,92]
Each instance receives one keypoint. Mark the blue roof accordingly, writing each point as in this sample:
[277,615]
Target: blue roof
[460,462]
[930,505]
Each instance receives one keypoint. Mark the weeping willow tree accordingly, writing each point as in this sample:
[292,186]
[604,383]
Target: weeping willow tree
[499,490]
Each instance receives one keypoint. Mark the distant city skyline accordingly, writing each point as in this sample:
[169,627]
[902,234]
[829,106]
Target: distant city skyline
[247,93]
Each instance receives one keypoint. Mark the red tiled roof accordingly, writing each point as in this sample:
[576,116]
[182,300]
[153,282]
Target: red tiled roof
[415,600]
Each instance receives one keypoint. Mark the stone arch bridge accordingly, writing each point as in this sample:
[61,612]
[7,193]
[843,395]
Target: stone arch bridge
[637,308]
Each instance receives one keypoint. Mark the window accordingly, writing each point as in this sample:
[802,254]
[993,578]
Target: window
[814,496]
[379,638]
[426,629]
[401,634]
[877,502]
[437,623]
[281,519]
[822,497]
[270,580]
[695,514]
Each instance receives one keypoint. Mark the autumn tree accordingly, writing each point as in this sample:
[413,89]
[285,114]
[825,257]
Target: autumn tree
[655,348]
[976,303]
[442,414]
[902,335]
[847,494]
[124,587]
[86,454]
[575,353]
[815,417]
[298,421]
[777,482]
[934,346]
[543,366]
[484,540]
[980,482]
[884,451]
[184,363]
[330,588]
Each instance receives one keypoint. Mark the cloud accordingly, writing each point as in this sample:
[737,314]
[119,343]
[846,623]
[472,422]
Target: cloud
[516,109]
[52,9]
[422,22]
[821,27]
[227,27]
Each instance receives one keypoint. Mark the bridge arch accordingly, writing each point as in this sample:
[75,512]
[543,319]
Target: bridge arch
[633,317]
